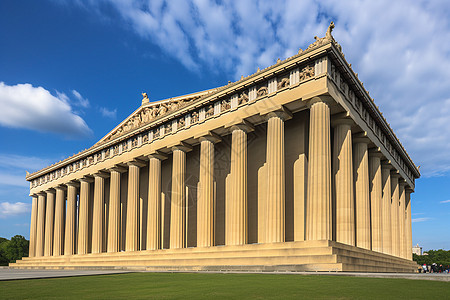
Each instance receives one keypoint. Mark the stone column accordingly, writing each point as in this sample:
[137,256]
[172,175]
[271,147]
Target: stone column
[58,237]
[275,202]
[40,230]
[236,205]
[154,202]
[205,205]
[83,216]
[71,210]
[114,210]
[98,213]
[178,199]
[402,220]
[319,173]
[386,213]
[362,200]
[49,222]
[376,200]
[343,180]
[408,225]
[394,214]
[33,225]
[132,237]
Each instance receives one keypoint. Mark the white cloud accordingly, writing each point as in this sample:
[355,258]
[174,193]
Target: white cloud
[83,102]
[108,113]
[445,201]
[12,209]
[29,163]
[35,108]
[416,220]
[398,48]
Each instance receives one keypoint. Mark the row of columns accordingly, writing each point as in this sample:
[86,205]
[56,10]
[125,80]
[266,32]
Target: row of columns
[369,202]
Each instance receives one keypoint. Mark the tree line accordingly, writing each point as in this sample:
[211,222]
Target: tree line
[440,257]
[12,250]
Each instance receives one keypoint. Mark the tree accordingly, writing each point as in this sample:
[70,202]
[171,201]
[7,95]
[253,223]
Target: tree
[13,250]
[440,257]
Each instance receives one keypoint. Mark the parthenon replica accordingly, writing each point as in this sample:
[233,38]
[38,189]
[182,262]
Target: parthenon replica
[293,168]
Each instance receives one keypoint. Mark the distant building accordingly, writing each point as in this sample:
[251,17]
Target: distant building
[417,249]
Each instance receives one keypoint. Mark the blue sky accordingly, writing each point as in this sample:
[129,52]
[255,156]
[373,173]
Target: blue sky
[70,71]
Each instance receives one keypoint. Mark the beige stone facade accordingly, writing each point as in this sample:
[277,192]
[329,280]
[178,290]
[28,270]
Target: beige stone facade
[291,168]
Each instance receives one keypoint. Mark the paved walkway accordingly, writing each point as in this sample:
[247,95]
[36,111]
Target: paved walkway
[13,274]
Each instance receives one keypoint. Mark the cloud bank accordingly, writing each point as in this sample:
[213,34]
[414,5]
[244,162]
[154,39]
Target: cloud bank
[399,48]
[35,108]
[8,209]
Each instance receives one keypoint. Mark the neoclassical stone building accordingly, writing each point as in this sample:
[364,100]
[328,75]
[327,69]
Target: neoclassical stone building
[291,168]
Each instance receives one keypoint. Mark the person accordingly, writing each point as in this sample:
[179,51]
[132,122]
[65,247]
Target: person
[424,267]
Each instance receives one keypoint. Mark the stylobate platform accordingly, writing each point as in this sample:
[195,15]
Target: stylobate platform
[288,256]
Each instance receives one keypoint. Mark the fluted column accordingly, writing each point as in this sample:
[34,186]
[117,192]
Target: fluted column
[49,222]
[386,213]
[33,225]
[319,174]
[376,200]
[132,237]
[343,179]
[205,205]
[98,213]
[178,199]
[154,202]
[275,202]
[408,225]
[83,217]
[71,209]
[394,214]
[236,206]
[114,210]
[402,220]
[58,235]
[362,200]
[40,230]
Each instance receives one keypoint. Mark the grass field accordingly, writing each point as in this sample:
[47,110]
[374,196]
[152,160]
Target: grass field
[220,286]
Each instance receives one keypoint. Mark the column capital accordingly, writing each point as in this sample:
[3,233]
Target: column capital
[395,173]
[87,179]
[327,100]
[386,164]
[360,137]
[283,113]
[342,121]
[210,136]
[136,162]
[73,183]
[182,146]
[61,187]
[375,152]
[240,125]
[158,155]
[117,168]
[50,190]
[341,118]
[409,189]
[101,174]
[41,193]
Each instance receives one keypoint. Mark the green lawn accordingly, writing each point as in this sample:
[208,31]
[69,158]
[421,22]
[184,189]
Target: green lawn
[220,286]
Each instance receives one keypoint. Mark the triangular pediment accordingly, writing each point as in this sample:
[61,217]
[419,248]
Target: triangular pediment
[151,111]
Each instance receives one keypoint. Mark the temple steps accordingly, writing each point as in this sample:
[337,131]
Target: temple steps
[288,256]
